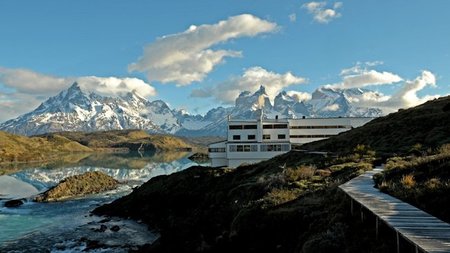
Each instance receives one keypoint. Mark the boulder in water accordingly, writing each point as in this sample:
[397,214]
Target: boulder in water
[14,203]
[79,185]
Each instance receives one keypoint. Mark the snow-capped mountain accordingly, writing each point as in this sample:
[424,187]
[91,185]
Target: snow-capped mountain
[78,110]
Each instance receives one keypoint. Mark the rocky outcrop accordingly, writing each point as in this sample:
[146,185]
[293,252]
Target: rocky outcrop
[199,157]
[14,203]
[79,185]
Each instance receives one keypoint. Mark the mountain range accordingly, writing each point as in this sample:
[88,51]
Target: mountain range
[77,110]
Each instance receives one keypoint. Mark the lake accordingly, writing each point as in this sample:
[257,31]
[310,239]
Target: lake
[68,226]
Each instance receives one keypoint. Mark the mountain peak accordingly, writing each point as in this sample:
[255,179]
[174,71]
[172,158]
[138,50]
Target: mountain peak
[261,90]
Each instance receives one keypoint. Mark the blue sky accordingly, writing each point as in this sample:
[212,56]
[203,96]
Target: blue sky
[70,39]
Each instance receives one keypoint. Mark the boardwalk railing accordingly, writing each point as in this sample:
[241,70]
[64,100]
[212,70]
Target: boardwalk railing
[425,232]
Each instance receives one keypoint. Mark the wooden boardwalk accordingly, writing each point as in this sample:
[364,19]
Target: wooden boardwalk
[425,232]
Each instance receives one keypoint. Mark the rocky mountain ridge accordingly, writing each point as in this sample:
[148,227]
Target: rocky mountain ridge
[77,110]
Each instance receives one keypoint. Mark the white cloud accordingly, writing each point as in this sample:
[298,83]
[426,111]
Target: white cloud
[368,78]
[28,88]
[320,13]
[251,80]
[187,57]
[331,108]
[299,96]
[30,82]
[360,76]
[114,86]
[293,17]
[407,95]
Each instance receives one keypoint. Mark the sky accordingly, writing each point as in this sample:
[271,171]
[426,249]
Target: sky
[196,55]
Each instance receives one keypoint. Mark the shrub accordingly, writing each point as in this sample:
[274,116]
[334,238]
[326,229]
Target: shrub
[433,183]
[299,173]
[279,196]
[408,181]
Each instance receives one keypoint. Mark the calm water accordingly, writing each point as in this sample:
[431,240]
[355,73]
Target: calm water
[43,227]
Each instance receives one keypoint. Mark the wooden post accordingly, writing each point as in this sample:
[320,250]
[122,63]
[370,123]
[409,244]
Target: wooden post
[417,249]
[376,227]
[351,206]
[398,242]
[362,214]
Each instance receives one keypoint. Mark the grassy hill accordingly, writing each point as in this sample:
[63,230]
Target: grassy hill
[427,125]
[130,139]
[16,148]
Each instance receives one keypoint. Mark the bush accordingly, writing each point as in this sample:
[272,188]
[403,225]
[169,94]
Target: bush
[279,196]
[299,173]
[408,181]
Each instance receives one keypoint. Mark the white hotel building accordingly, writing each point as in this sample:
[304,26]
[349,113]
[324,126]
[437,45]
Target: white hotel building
[252,141]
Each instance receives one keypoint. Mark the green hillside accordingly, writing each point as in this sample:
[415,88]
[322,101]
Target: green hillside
[16,148]
[427,125]
[129,139]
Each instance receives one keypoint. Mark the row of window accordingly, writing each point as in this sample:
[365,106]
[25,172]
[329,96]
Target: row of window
[319,127]
[236,127]
[216,150]
[249,137]
[243,148]
[275,126]
[266,126]
[284,126]
[312,136]
[254,148]
[253,137]
[280,136]
[275,147]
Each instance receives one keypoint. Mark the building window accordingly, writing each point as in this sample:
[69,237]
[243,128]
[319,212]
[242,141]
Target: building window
[266,136]
[216,150]
[275,126]
[281,136]
[275,147]
[251,137]
[321,127]
[311,136]
[239,127]
[243,148]
[236,137]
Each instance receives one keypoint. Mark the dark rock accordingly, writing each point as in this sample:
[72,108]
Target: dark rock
[115,228]
[199,157]
[79,185]
[14,203]
[91,245]
[105,220]
[102,228]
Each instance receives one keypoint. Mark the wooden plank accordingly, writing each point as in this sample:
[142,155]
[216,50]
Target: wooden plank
[424,231]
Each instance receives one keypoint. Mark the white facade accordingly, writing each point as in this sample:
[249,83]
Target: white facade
[252,141]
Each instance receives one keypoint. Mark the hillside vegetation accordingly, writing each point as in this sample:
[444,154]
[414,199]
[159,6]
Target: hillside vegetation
[427,125]
[422,179]
[16,148]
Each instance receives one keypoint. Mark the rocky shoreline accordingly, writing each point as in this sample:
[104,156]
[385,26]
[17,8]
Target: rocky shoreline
[78,186]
